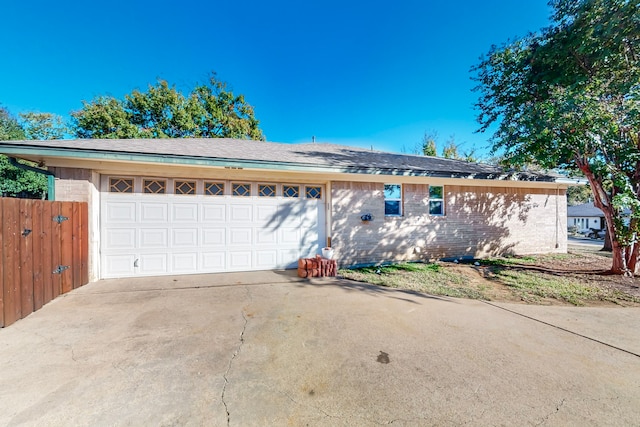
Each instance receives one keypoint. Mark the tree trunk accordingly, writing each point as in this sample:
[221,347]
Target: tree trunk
[602,200]
[608,247]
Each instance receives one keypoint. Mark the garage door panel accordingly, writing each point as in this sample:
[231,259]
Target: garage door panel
[240,213]
[121,212]
[289,214]
[184,237]
[239,260]
[119,265]
[120,238]
[266,214]
[214,213]
[184,262]
[240,235]
[154,212]
[214,237]
[289,235]
[213,261]
[183,212]
[288,258]
[153,263]
[266,237]
[265,259]
[154,238]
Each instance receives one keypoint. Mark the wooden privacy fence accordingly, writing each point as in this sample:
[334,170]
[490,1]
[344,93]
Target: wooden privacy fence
[44,248]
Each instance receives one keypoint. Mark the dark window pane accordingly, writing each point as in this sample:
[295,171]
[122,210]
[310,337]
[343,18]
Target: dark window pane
[391,207]
[435,207]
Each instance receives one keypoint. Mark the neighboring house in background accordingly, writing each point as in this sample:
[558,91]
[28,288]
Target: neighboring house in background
[167,206]
[585,217]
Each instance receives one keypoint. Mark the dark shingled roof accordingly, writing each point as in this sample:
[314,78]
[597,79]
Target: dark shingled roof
[348,159]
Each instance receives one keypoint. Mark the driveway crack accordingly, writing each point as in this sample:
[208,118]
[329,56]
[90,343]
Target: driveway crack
[226,374]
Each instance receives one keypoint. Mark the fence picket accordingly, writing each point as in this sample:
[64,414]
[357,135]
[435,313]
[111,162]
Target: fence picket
[11,257]
[66,247]
[25,256]
[1,265]
[38,255]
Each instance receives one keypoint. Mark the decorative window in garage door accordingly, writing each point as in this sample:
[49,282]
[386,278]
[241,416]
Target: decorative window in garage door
[242,190]
[121,185]
[313,192]
[155,186]
[185,187]
[214,188]
[267,190]
[291,190]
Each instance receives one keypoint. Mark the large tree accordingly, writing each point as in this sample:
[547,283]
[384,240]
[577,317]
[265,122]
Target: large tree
[16,182]
[210,110]
[569,97]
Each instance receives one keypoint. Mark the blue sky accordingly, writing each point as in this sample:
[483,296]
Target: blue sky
[358,73]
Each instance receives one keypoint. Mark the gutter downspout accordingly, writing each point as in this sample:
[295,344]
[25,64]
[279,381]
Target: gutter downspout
[51,185]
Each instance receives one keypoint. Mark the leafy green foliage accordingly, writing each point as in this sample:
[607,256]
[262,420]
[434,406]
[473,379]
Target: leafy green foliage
[569,97]
[429,144]
[43,126]
[208,111]
[578,195]
[14,181]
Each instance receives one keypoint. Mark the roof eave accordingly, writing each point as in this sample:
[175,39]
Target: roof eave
[106,155]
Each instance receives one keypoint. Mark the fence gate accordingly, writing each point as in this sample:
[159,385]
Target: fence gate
[44,249]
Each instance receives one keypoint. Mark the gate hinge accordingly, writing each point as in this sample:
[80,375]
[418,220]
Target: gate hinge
[60,269]
[60,218]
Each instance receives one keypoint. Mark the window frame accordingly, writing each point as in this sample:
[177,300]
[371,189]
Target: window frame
[437,199]
[393,199]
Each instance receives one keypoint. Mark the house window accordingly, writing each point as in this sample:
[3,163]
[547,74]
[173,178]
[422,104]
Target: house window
[120,185]
[155,186]
[313,192]
[214,188]
[393,199]
[436,200]
[291,191]
[185,187]
[243,190]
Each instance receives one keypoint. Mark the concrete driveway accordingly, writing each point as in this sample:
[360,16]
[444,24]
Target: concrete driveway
[265,349]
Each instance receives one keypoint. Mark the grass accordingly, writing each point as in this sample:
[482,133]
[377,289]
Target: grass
[532,287]
[528,286]
[433,279]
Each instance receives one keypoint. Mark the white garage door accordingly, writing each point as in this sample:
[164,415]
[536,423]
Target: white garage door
[152,226]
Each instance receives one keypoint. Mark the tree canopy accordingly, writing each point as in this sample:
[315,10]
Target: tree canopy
[569,97]
[210,110]
[16,182]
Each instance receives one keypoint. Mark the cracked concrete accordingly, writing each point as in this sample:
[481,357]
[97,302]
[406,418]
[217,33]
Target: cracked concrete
[226,374]
[268,349]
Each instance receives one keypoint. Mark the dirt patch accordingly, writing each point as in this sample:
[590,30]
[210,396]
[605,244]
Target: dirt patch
[578,278]
[589,267]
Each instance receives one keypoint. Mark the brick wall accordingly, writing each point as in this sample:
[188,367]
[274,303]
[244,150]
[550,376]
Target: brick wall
[72,184]
[478,222]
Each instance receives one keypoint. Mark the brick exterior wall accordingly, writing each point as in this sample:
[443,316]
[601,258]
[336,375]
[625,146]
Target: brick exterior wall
[478,222]
[72,185]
